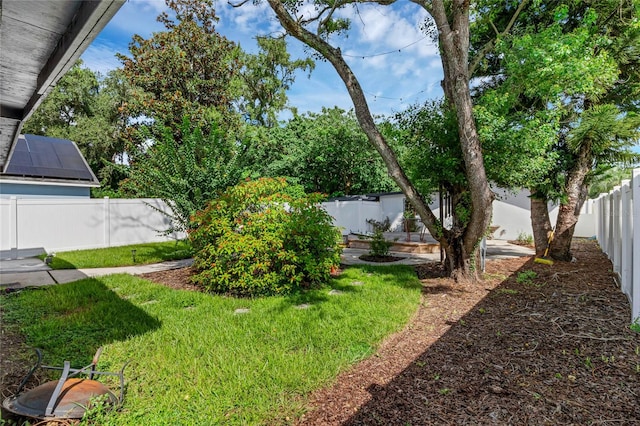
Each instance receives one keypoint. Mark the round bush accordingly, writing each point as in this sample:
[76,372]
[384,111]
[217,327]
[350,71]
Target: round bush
[263,237]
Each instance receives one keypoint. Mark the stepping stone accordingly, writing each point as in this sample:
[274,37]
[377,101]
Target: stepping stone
[241,311]
[356,283]
[149,302]
[334,292]
[303,306]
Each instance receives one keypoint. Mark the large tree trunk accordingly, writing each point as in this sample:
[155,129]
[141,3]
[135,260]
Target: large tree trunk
[454,48]
[569,212]
[459,264]
[540,223]
[454,39]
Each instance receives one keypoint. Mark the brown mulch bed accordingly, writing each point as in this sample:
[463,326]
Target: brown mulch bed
[556,349]
[548,350]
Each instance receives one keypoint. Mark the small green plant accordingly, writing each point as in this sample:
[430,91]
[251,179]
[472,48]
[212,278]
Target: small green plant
[97,409]
[588,363]
[524,239]
[409,218]
[379,247]
[263,237]
[608,359]
[507,291]
[635,326]
[526,277]
[444,391]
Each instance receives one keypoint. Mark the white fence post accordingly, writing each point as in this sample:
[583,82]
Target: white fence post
[106,221]
[606,218]
[617,245]
[635,288]
[626,259]
[13,219]
[602,220]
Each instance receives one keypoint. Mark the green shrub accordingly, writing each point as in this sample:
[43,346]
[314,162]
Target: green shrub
[384,225]
[263,237]
[378,246]
[525,239]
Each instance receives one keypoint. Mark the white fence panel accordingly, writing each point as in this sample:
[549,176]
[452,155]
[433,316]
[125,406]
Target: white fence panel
[618,212]
[626,229]
[74,224]
[56,224]
[138,220]
[6,230]
[635,246]
[351,216]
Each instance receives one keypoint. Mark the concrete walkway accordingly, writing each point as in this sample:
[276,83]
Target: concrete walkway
[496,249]
[32,272]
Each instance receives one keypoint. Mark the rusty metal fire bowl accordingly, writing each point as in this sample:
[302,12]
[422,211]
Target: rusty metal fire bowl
[69,397]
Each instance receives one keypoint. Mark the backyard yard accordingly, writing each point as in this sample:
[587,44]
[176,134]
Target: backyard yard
[533,344]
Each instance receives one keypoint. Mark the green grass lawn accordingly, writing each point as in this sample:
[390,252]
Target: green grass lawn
[122,256]
[196,362]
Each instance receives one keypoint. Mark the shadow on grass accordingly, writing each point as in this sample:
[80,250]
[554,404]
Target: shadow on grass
[350,282]
[144,254]
[70,321]
[178,250]
[59,263]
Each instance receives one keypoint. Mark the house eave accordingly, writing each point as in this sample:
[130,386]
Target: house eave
[49,182]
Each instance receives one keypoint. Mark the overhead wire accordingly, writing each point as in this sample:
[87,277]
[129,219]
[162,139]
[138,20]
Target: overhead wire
[399,50]
[385,53]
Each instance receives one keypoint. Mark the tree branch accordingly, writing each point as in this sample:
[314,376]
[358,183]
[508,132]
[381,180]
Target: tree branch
[473,66]
[363,114]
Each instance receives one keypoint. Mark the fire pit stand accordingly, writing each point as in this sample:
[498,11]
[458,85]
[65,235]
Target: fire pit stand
[69,397]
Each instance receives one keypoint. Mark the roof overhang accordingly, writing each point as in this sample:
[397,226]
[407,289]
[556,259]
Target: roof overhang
[39,42]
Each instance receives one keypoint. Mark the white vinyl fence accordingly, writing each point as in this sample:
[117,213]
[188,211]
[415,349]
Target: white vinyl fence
[62,224]
[616,214]
[511,214]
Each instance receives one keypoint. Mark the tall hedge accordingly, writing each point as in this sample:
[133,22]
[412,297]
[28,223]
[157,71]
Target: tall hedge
[263,237]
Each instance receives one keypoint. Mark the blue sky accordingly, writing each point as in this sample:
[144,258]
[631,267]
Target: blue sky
[394,61]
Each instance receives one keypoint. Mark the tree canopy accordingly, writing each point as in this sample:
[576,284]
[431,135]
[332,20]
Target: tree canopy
[574,67]
[324,152]
[186,71]
[84,108]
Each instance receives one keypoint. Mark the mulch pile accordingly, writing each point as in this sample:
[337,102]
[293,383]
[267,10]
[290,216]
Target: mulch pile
[550,350]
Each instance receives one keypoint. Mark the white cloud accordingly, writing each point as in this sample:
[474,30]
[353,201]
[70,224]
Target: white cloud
[249,19]
[101,57]
[139,17]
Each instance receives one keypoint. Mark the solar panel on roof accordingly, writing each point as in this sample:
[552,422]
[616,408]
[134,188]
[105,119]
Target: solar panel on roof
[42,157]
